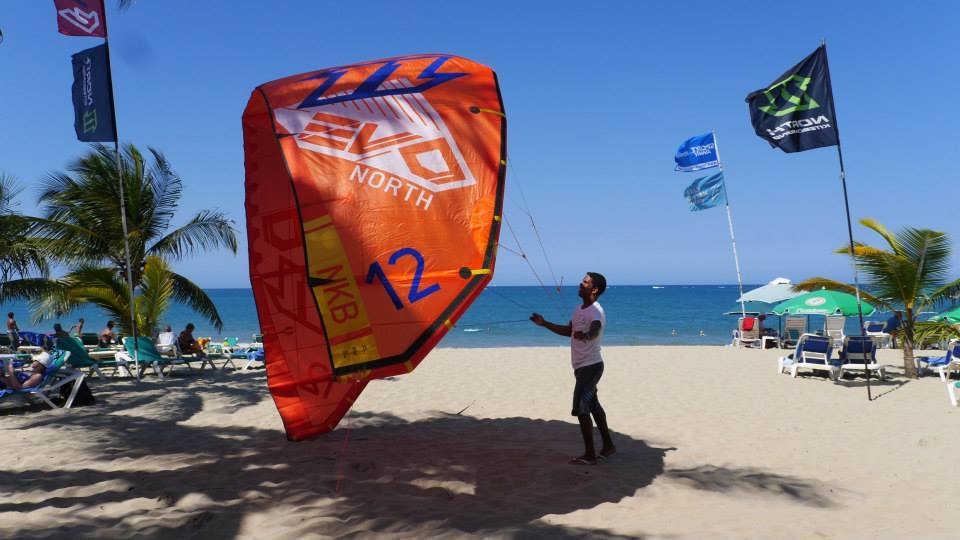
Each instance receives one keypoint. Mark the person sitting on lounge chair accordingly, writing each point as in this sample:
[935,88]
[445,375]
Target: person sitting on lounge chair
[19,380]
[107,336]
[187,343]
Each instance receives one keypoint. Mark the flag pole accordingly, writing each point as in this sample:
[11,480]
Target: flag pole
[123,202]
[846,206]
[733,239]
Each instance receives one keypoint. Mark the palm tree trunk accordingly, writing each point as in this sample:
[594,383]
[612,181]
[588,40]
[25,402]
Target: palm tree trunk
[909,365]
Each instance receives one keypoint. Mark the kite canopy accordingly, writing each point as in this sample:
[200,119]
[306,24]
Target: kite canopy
[373,200]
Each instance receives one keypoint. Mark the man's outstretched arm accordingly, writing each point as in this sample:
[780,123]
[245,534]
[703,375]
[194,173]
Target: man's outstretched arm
[561,329]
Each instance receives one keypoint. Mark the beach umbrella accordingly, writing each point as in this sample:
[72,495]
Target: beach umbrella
[951,316]
[778,290]
[752,307]
[822,302]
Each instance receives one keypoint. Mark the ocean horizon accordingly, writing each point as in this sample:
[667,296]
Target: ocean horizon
[636,315]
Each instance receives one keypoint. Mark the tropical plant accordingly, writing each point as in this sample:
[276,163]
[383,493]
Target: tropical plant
[106,289]
[20,253]
[929,333]
[906,278]
[81,229]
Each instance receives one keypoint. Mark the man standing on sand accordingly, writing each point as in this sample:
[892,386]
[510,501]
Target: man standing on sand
[13,331]
[585,330]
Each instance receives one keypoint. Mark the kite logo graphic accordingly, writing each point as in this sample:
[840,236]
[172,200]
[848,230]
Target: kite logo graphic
[374,85]
[85,21]
[791,103]
[398,142]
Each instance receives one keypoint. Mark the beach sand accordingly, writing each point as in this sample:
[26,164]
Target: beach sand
[712,442]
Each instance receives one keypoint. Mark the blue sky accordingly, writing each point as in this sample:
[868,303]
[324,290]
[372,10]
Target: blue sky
[598,97]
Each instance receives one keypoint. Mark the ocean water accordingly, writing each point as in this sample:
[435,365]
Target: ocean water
[636,315]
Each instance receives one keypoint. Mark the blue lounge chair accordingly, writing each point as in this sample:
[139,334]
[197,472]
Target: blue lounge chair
[943,365]
[813,353]
[55,377]
[859,354]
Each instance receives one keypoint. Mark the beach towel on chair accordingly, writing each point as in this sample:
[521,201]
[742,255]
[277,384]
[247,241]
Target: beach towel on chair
[748,323]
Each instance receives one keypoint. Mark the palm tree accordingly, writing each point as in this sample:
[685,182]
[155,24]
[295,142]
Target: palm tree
[20,253]
[82,230]
[911,275]
[106,289]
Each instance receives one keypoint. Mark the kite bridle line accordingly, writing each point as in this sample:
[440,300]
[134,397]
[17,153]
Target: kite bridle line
[525,209]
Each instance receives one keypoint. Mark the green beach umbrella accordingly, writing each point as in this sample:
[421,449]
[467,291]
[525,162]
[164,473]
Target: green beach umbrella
[951,316]
[822,303]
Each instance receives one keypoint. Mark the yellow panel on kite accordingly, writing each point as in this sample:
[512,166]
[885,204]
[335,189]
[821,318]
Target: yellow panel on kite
[374,195]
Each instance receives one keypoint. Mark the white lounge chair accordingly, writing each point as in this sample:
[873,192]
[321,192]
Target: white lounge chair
[813,353]
[793,328]
[943,365]
[54,378]
[834,330]
[952,389]
[874,329]
[748,332]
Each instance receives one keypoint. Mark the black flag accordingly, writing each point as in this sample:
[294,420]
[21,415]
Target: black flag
[795,112]
[92,96]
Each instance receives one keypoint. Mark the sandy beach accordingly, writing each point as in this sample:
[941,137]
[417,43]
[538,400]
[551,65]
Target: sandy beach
[712,442]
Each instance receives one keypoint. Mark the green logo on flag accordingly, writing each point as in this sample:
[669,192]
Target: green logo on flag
[90,121]
[790,103]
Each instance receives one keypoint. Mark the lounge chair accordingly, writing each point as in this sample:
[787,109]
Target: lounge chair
[859,354]
[813,353]
[952,389]
[81,358]
[748,332]
[793,328]
[834,330]
[253,356]
[90,339]
[167,343]
[149,357]
[942,364]
[55,377]
[875,329]
[219,351]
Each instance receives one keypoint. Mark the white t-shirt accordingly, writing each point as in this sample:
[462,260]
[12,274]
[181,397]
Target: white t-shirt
[585,353]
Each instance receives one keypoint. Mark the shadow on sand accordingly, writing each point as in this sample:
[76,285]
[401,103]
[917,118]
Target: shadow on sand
[444,476]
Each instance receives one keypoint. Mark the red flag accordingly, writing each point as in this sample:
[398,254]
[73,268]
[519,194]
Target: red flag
[81,18]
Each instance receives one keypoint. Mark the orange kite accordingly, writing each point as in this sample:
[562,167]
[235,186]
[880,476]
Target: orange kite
[373,200]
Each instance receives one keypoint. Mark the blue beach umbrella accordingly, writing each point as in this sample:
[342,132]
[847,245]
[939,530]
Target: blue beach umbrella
[752,307]
[778,290]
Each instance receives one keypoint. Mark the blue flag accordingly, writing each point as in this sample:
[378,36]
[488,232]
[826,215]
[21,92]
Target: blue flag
[92,96]
[706,192]
[697,153]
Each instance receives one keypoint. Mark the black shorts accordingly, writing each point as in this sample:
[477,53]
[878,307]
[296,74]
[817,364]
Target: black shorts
[585,400]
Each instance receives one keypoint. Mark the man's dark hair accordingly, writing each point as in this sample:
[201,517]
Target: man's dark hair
[599,282]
